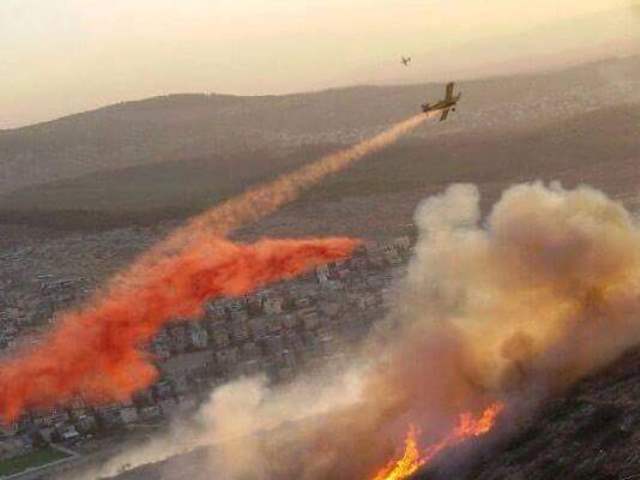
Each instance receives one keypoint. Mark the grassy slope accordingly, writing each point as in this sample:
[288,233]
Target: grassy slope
[36,458]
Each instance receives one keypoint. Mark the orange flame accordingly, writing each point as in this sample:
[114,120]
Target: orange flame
[408,464]
[412,459]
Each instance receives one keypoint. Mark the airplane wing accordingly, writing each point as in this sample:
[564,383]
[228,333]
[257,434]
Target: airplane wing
[449,96]
[445,113]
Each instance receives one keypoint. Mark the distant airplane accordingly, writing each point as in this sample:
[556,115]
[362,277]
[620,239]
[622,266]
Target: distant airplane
[405,61]
[449,103]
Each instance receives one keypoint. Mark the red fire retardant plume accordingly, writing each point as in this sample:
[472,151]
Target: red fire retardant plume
[97,351]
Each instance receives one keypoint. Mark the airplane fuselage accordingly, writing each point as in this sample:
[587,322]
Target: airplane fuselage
[441,105]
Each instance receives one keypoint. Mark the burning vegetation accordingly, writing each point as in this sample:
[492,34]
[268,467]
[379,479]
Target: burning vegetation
[415,458]
[410,462]
[501,312]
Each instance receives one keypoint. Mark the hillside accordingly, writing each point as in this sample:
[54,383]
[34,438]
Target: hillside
[146,194]
[580,149]
[187,127]
[378,197]
[589,434]
[503,132]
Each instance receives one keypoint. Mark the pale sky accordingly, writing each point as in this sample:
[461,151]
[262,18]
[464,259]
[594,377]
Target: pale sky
[63,56]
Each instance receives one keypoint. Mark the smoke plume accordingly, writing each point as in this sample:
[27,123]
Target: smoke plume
[96,351]
[520,305]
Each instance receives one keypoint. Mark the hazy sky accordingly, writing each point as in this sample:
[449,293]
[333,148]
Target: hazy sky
[62,56]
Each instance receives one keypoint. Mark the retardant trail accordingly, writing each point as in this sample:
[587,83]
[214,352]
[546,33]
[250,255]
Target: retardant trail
[96,352]
[265,199]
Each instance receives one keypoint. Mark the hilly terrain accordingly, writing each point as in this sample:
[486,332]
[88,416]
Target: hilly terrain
[180,153]
[591,433]
[378,197]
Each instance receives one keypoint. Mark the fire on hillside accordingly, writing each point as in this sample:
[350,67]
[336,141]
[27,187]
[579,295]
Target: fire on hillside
[414,458]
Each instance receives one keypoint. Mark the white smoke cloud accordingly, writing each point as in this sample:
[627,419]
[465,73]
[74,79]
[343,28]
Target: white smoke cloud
[520,305]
